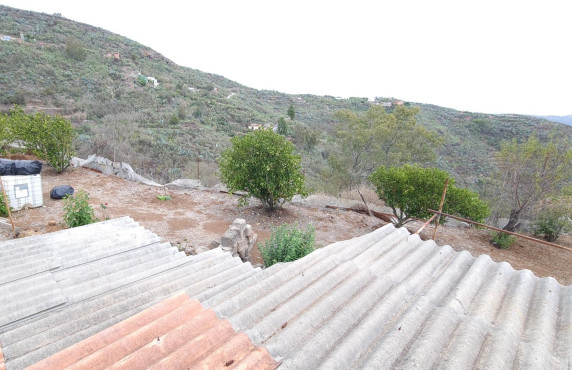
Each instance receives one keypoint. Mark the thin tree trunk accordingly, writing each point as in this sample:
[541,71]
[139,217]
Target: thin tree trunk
[513,220]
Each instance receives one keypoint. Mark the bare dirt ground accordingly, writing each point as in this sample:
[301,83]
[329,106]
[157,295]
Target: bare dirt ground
[195,217]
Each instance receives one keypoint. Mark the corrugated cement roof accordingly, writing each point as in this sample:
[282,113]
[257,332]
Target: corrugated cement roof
[390,300]
[60,288]
[383,300]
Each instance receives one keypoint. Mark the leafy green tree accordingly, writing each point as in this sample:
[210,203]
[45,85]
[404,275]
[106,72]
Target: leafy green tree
[50,138]
[304,136]
[411,190]
[263,164]
[287,243]
[5,136]
[291,112]
[282,126]
[376,138]
[530,173]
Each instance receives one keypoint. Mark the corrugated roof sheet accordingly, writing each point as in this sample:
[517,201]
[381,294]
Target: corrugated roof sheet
[390,300]
[383,300]
[177,333]
[59,289]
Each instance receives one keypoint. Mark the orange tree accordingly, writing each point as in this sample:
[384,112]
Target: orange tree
[263,164]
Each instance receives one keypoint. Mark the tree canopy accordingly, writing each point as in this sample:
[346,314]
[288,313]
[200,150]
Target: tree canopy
[50,138]
[411,190]
[263,164]
[291,112]
[532,172]
[378,138]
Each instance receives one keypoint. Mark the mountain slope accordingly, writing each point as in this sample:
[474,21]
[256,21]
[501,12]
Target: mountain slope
[105,84]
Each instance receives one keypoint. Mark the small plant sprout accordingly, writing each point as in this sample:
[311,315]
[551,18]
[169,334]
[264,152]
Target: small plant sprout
[164,196]
[104,207]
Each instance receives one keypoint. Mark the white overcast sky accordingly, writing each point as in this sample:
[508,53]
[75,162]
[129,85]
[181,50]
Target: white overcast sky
[498,56]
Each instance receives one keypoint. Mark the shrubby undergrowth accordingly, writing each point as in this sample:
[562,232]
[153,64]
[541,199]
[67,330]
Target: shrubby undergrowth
[287,243]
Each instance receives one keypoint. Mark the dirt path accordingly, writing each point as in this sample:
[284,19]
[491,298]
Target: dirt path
[199,218]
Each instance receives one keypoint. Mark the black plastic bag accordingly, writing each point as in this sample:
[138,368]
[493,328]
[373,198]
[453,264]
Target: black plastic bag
[59,192]
[9,167]
[6,167]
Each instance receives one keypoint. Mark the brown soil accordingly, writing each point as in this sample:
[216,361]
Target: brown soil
[196,217]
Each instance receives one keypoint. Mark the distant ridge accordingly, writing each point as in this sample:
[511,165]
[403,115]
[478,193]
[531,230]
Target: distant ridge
[567,120]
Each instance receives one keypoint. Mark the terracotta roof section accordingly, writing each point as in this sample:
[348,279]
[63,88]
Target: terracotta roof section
[177,333]
[2,363]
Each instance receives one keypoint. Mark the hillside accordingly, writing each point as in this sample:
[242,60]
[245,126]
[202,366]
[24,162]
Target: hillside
[105,84]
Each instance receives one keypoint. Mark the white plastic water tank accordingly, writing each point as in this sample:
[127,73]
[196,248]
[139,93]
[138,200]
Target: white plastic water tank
[24,191]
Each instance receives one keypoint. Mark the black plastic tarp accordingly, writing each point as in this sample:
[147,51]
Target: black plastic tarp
[61,191]
[10,167]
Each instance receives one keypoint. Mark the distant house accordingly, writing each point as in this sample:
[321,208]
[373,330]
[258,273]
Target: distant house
[6,38]
[192,89]
[154,80]
[398,102]
[386,104]
[254,126]
[231,95]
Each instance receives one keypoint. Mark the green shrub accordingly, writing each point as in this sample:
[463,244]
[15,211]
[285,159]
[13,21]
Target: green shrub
[550,224]
[77,211]
[174,120]
[141,80]
[17,97]
[503,240]
[3,209]
[75,49]
[287,243]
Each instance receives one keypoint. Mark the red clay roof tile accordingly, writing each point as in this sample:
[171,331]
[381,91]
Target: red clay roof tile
[176,333]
